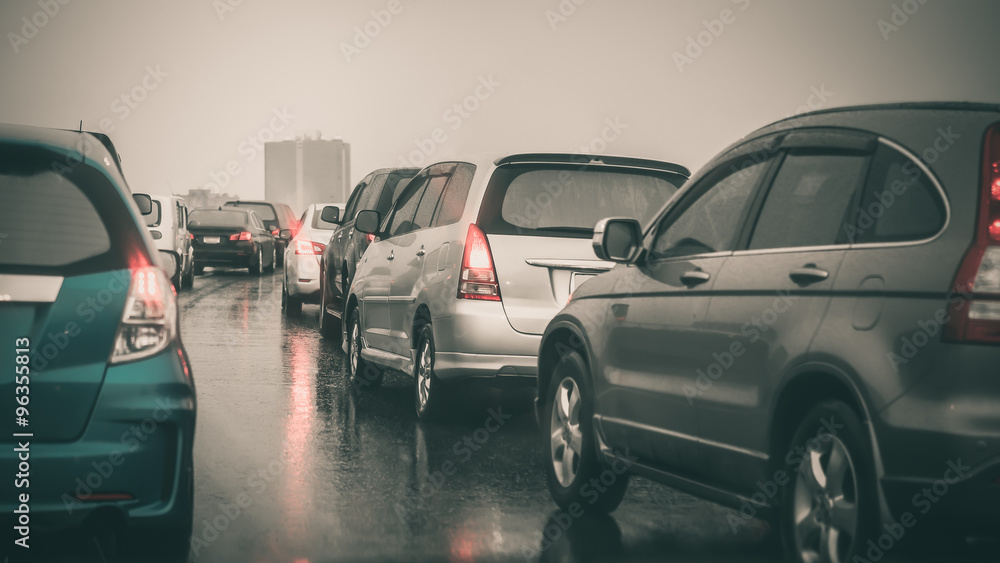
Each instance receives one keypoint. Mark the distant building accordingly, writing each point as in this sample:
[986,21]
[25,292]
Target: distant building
[304,171]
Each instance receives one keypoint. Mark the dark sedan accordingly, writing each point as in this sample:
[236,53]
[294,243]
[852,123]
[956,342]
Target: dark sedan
[232,238]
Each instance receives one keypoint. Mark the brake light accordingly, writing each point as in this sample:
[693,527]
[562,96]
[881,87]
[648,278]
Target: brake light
[309,248]
[275,232]
[370,237]
[190,236]
[242,236]
[479,277]
[149,322]
[978,280]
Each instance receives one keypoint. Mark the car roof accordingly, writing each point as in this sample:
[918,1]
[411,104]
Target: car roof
[91,145]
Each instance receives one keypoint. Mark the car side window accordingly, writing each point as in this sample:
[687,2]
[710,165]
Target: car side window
[179,211]
[808,202]
[352,202]
[369,200]
[899,202]
[402,214]
[429,202]
[456,194]
[713,220]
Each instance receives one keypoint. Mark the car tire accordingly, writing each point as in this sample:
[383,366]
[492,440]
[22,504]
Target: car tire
[844,509]
[429,392]
[363,373]
[329,325]
[255,269]
[274,260]
[187,280]
[280,254]
[572,459]
[290,304]
[199,270]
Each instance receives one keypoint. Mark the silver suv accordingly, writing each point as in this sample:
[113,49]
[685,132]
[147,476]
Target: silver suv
[474,258]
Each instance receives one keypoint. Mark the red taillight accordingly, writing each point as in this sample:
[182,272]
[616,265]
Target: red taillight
[976,317]
[309,248]
[479,277]
[242,236]
[370,237]
[190,236]
[276,232]
[149,321]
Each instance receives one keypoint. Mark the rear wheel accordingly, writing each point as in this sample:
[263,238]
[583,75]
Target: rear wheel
[279,252]
[363,373]
[429,394]
[290,304]
[255,267]
[199,270]
[187,280]
[274,260]
[829,510]
[574,463]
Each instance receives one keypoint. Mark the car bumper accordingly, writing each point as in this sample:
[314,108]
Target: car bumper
[138,442]
[302,276]
[940,442]
[476,340]
[233,258]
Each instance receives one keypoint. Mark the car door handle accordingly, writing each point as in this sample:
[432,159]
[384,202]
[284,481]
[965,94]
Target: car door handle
[695,277]
[421,252]
[350,232]
[808,274]
[392,255]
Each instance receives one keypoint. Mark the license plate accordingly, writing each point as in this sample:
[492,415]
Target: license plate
[578,278]
[210,240]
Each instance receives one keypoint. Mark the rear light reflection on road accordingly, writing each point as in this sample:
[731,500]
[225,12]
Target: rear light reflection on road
[298,430]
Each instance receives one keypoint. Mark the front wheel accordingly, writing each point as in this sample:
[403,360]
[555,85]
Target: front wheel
[274,260]
[329,325]
[429,393]
[574,469]
[829,509]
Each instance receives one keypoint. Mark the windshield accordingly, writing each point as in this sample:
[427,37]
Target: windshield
[215,218]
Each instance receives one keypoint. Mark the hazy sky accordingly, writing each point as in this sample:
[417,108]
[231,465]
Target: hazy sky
[201,77]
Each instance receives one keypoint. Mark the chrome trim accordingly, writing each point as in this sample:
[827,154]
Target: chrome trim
[792,249]
[29,289]
[594,265]
[720,254]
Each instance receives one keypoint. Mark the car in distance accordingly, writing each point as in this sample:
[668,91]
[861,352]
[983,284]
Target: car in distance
[376,191]
[91,325]
[275,216]
[809,332]
[231,238]
[167,223]
[475,257]
[300,281]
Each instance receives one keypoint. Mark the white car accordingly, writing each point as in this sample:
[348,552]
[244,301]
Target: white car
[167,223]
[300,280]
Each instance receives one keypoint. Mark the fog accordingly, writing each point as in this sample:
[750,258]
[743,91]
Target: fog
[183,88]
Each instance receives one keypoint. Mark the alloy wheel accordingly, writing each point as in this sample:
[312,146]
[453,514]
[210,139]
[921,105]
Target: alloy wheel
[566,436]
[424,372]
[825,504]
[355,348]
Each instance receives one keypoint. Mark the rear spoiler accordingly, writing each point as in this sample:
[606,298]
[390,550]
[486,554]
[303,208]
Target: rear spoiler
[106,141]
[594,159]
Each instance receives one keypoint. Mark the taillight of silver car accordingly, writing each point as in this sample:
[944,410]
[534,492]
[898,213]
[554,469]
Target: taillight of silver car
[149,322]
[479,277]
[977,317]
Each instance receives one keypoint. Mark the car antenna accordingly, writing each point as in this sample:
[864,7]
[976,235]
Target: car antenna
[81,126]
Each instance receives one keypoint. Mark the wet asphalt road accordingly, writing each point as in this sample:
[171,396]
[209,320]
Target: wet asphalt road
[294,465]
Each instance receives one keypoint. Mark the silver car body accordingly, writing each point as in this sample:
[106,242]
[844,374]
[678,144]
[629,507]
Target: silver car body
[408,279]
[302,271]
[170,235]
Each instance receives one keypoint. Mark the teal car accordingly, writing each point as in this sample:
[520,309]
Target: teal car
[97,392]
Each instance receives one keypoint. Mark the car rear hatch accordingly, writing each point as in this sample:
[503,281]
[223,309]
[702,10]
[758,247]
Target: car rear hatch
[65,266]
[538,216]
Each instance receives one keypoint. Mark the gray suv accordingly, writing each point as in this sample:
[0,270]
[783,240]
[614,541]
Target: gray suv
[475,257]
[809,332]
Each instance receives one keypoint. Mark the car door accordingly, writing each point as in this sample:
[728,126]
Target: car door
[262,238]
[411,250]
[654,345]
[380,260]
[771,295]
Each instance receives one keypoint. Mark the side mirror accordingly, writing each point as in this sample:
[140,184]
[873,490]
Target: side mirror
[367,221]
[144,202]
[331,214]
[617,239]
[285,234]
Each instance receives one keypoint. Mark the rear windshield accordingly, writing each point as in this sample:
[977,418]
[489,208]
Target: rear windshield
[567,201]
[153,219]
[263,210]
[215,218]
